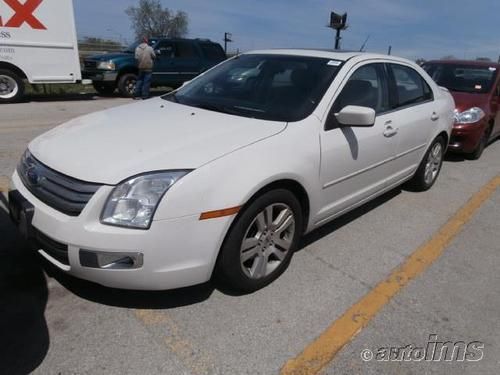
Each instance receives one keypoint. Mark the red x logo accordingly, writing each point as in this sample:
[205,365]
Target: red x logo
[24,13]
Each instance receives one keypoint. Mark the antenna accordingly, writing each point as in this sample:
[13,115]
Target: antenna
[363,46]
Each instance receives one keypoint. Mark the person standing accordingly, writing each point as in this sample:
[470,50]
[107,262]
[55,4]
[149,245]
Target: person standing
[145,56]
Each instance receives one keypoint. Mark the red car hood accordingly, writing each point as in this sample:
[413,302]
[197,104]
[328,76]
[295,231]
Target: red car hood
[464,101]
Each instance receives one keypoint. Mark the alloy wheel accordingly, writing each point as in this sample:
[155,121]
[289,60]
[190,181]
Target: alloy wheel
[267,241]
[433,165]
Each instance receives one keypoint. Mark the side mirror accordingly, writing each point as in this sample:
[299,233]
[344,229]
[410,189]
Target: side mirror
[355,116]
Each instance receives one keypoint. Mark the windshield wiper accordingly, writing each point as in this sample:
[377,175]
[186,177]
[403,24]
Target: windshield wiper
[216,108]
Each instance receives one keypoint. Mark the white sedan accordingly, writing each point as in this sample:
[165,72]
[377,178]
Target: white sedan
[223,176]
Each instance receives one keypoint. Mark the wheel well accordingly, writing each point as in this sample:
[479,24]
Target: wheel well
[445,136]
[126,70]
[13,68]
[292,186]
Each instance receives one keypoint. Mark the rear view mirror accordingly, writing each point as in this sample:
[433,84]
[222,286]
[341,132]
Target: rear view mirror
[353,115]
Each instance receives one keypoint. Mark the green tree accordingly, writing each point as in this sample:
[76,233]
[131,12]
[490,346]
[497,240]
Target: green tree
[150,19]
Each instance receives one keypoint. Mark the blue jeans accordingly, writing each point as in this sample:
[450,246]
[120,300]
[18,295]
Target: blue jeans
[143,84]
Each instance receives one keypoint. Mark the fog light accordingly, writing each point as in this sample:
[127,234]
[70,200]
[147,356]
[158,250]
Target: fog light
[111,261]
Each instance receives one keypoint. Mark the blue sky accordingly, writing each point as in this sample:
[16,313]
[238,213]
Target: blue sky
[414,28]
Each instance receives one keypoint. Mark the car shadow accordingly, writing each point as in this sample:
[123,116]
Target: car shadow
[191,295]
[326,230]
[24,336]
[347,218]
[133,299]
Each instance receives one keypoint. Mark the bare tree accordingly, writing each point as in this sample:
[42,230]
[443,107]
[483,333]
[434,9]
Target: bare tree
[150,19]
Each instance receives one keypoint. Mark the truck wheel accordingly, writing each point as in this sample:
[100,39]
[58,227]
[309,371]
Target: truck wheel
[11,87]
[104,88]
[126,84]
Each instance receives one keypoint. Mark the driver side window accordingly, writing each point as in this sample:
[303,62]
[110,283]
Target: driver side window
[367,87]
[166,49]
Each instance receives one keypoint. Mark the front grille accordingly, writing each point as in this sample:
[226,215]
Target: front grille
[65,194]
[89,64]
[56,250]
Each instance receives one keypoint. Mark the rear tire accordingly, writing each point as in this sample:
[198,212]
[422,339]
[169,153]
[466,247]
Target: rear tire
[126,84]
[261,242]
[104,89]
[11,87]
[430,167]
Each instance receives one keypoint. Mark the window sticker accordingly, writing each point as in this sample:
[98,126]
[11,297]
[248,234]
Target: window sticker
[492,69]
[334,63]
[478,87]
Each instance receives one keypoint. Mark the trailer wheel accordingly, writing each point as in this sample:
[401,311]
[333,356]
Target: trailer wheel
[11,87]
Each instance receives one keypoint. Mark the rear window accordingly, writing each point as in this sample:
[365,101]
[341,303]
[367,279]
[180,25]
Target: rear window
[213,51]
[411,87]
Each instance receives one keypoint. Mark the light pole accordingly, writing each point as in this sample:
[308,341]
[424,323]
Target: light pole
[338,22]
[228,38]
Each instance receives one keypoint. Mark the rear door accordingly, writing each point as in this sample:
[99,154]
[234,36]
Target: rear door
[187,61]
[212,54]
[416,114]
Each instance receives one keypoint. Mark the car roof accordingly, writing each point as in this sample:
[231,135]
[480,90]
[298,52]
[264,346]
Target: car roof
[325,53]
[466,62]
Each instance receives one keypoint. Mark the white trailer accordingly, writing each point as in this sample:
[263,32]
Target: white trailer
[38,44]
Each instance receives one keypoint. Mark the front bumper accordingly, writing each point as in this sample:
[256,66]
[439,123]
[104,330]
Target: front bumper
[100,75]
[176,252]
[466,138]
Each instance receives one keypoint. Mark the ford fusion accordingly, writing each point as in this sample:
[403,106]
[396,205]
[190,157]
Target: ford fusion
[222,177]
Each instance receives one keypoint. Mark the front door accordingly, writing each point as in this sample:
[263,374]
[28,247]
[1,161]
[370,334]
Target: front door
[164,68]
[356,161]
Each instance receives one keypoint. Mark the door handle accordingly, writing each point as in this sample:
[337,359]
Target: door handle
[390,131]
[434,116]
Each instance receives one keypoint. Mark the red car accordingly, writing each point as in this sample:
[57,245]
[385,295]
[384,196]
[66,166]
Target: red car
[475,86]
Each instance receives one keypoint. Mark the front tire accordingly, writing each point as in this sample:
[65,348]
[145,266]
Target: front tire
[11,87]
[478,152]
[261,242]
[126,84]
[430,167]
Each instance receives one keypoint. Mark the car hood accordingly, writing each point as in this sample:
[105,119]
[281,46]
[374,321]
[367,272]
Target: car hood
[112,145]
[465,101]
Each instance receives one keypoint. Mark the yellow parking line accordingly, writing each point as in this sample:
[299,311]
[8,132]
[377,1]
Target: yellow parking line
[322,350]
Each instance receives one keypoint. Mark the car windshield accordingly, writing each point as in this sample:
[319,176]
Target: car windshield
[463,78]
[269,87]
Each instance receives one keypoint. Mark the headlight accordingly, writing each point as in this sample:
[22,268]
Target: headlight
[106,65]
[134,202]
[469,116]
